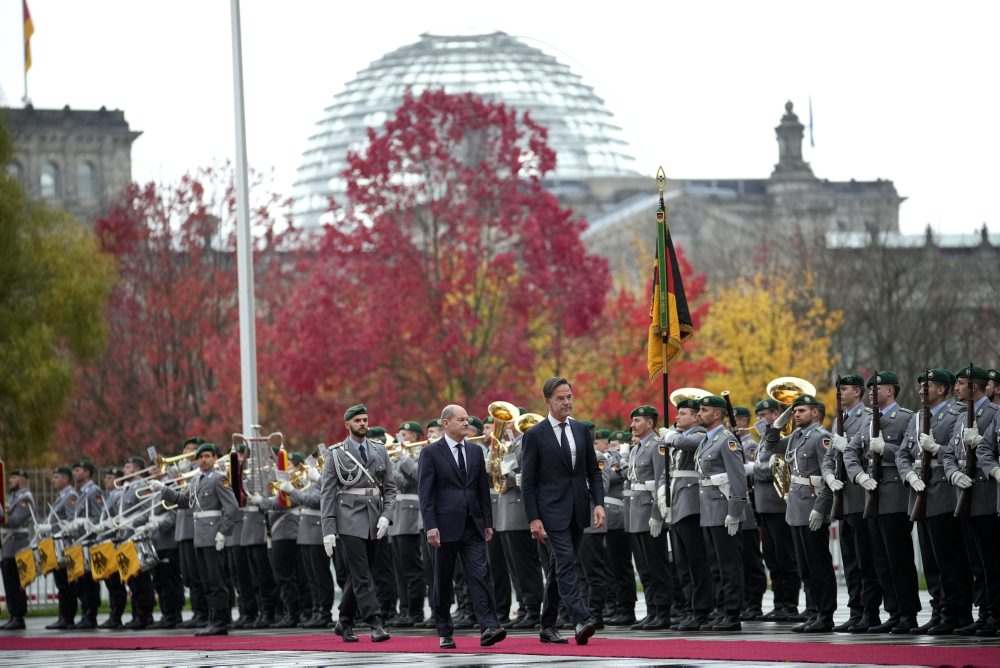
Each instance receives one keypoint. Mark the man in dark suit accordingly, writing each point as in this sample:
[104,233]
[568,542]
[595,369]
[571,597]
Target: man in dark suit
[454,492]
[558,503]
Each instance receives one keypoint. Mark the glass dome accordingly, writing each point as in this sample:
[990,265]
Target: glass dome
[496,66]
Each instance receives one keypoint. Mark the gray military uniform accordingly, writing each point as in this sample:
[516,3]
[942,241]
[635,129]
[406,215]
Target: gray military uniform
[406,511]
[310,522]
[64,509]
[90,504]
[284,522]
[750,448]
[765,495]
[509,514]
[211,498]
[615,508]
[345,511]
[804,451]
[606,476]
[646,466]
[683,476]
[940,496]
[723,484]
[164,536]
[988,455]
[853,495]
[892,495]
[984,491]
[18,525]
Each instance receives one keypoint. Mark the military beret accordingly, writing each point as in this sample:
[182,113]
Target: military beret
[522,410]
[741,411]
[298,458]
[854,379]
[240,447]
[883,378]
[137,460]
[356,409]
[994,374]
[434,423]
[21,472]
[63,470]
[488,419]
[937,374]
[602,433]
[376,432]
[476,423]
[645,411]
[691,404]
[712,401]
[768,404]
[195,440]
[114,471]
[978,373]
[805,400]
[207,447]
[412,425]
[86,464]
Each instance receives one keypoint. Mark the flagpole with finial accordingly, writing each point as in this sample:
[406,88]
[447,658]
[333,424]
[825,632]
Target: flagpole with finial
[664,312]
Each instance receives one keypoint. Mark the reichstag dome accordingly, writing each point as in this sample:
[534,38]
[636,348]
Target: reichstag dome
[582,131]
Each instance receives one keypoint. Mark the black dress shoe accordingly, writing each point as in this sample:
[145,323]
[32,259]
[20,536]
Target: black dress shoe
[621,619]
[551,635]
[888,626]
[379,634]
[692,623]
[905,625]
[196,622]
[584,630]
[85,624]
[987,630]
[800,628]
[843,628]
[345,631]
[213,629]
[509,623]
[529,621]
[657,623]
[401,622]
[286,622]
[318,621]
[167,622]
[776,615]
[970,629]
[137,624]
[640,623]
[15,624]
[796,616]
[942,629]
[463,622]
[822,624]
[111,623]
[728,624]
[492,636]
[867,622]
[446,642]
[922,630]
[60,624]
[751,614]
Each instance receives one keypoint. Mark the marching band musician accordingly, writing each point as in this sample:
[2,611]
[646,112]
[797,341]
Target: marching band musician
[499,577]
[594,552]
[141,584]
[211,497]
[358,493]
[405,531]
[986,526]
[253,542]
[753,561]
[167,580]
[89,509]
[17,530]
[621,584]
[117,595]
[61,514]
[236,558]
[184,535]
[284,530]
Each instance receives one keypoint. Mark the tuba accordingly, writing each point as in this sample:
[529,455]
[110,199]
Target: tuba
[685,393]
[505,415]
[786,390]
[526,422]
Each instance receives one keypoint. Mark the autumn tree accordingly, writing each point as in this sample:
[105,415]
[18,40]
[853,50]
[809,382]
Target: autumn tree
[450,275]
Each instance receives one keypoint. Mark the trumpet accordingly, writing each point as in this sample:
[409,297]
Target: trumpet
[147,490]
[395,448]
[159,468]
[526,421]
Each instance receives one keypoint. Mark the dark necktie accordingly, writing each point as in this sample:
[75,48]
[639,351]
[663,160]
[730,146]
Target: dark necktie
[364,453]
[564,442]
[461,461]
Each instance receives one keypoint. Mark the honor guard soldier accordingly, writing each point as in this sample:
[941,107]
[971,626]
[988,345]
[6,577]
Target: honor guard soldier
[405,531]
[979,525]
[18,527]
[809,505]
[167,582]
[237,561]
[890,527]
[254,543]
[310,541]
[593,551]
[211,497]
[90,507]
[646,523]
[117,594]
[141,584]
[62,513]
[723,499]
[621,584]
[753,561]
[384,575]
[184,535]
[284,533]
[499,576]
[358,495]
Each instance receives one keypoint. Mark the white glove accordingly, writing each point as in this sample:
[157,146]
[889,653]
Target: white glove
[749,467]
[220,541]
[971,437]
[960,480]
[517,479]
[815,520]
[783,418]
[329,542]
[866,481]
[877,445]
[662,432]
[624,450]
[732,524]
[43,528]
[139,531]
[672,437]
[832,482]
[839,442]
[80,524]
[404,454]
[655,527]
[256,498]
[150,527]
[928,444]
[916,484]
[383,528]
[661,499]
[313,474]
[156,485]
[286,486]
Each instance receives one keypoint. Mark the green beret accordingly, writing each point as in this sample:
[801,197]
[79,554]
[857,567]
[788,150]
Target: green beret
[994,374]
[854,379]
[522,410]
[298,458]
[376,432]
[488,419]
[196,440]
[978,373]
[206,447]
[602,433]
[240,447]
[114,471]
[412,425]
[137,460]
[805,400]
[741,411]
[712,401]
[937,374]
[476,423]
[21,472]
[883,378]
[768,404]
[356,409]
[688,403]
[645,411]
[63,470]
[434,423]
[587,424]
[86,464]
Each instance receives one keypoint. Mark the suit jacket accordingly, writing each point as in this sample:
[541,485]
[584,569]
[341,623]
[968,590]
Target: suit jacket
[445,499]
[553,490]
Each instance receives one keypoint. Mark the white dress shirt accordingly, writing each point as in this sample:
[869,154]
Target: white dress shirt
[453,446]
[569,437]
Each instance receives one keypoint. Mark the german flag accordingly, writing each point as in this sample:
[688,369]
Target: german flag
[29,30]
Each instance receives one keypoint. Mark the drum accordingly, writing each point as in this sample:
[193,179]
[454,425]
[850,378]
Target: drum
[146,552]
[59,545]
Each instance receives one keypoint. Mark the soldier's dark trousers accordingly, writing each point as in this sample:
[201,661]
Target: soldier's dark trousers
[812,553]
[931,568]
[864,595]
[284,554]
[753,568]
[17,600]
[168,584]
[408,569]
[524,567]
[944,542]
[239,564]
[692,564]
[212,574]
[385,579]
[359,595]
[730,559]
[67,594]
[320,577]
[500,577]
[89,592]
[986,529]
[893,530]
[594,558]
[143,595]
[189,571]
[882,566]
[654,570]
[117,596]
[263,578]
[779,555]
[622,582]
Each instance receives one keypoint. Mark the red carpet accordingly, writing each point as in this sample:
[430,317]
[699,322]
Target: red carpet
[720,650]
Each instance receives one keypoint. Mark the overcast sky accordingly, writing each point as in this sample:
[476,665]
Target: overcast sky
[905,91]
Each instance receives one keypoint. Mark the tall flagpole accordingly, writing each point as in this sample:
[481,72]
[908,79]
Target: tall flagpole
[664,314]
[244,242]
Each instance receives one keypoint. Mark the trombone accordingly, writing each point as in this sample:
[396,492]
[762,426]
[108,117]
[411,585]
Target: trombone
[160,467]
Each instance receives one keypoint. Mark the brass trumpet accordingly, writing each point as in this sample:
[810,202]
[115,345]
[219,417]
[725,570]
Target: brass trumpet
[159,468]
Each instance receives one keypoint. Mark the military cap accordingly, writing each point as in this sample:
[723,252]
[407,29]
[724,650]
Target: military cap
[741,411]
[298,458]
[240,447]
[207,447]
[137,460]
[488,419]
[883,378]
[63,470]
[21,472]
[645,411]
[86,464]
[113,471]
[476,423]
[978,373]
[587,424]
[434,423]
[712,401]
[602,433]
[376,432]
[854,379]
[688,403]
[768,404]
[938,375]
[623,436]
[356,409]
[994,374]
[522,410]
[805,400]
[196,440]
[412,425]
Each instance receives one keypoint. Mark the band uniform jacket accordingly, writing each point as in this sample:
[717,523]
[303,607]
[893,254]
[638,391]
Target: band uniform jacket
[283,522]
[765,495]
[804,451]
[406,511]
[614,506]
[311,521]
[510,515]
[604,464]
[984,491]
[163,537]
[254,529]
[940,496]
[853,495]
[90,505]
[988,456]
[683,476]
[127,500]
[892,494]
[645,468]
[750,448]
[64,509]
[446,500]
[184,527]
[18,525]
[349,514]
[213,501]
[723,483]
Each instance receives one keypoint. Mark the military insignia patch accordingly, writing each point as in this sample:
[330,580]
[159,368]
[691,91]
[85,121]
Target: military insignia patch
[72,500]
[826,444]
[734,446]
[98,499]
[24,504]
[225,483]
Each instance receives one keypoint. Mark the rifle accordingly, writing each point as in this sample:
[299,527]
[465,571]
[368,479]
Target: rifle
[751,497]
[837,512]
[964,505]
[919,511]
[871,503]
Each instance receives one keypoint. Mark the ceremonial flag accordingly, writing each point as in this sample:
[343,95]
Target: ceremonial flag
[47,555]
[25,560]
[29,30]
[103,560]
[75,566]
[128,561]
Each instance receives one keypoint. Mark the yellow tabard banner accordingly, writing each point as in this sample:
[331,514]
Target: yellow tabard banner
[47,555]
[103,560]
[128,561]
[75,568]
[26,572]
